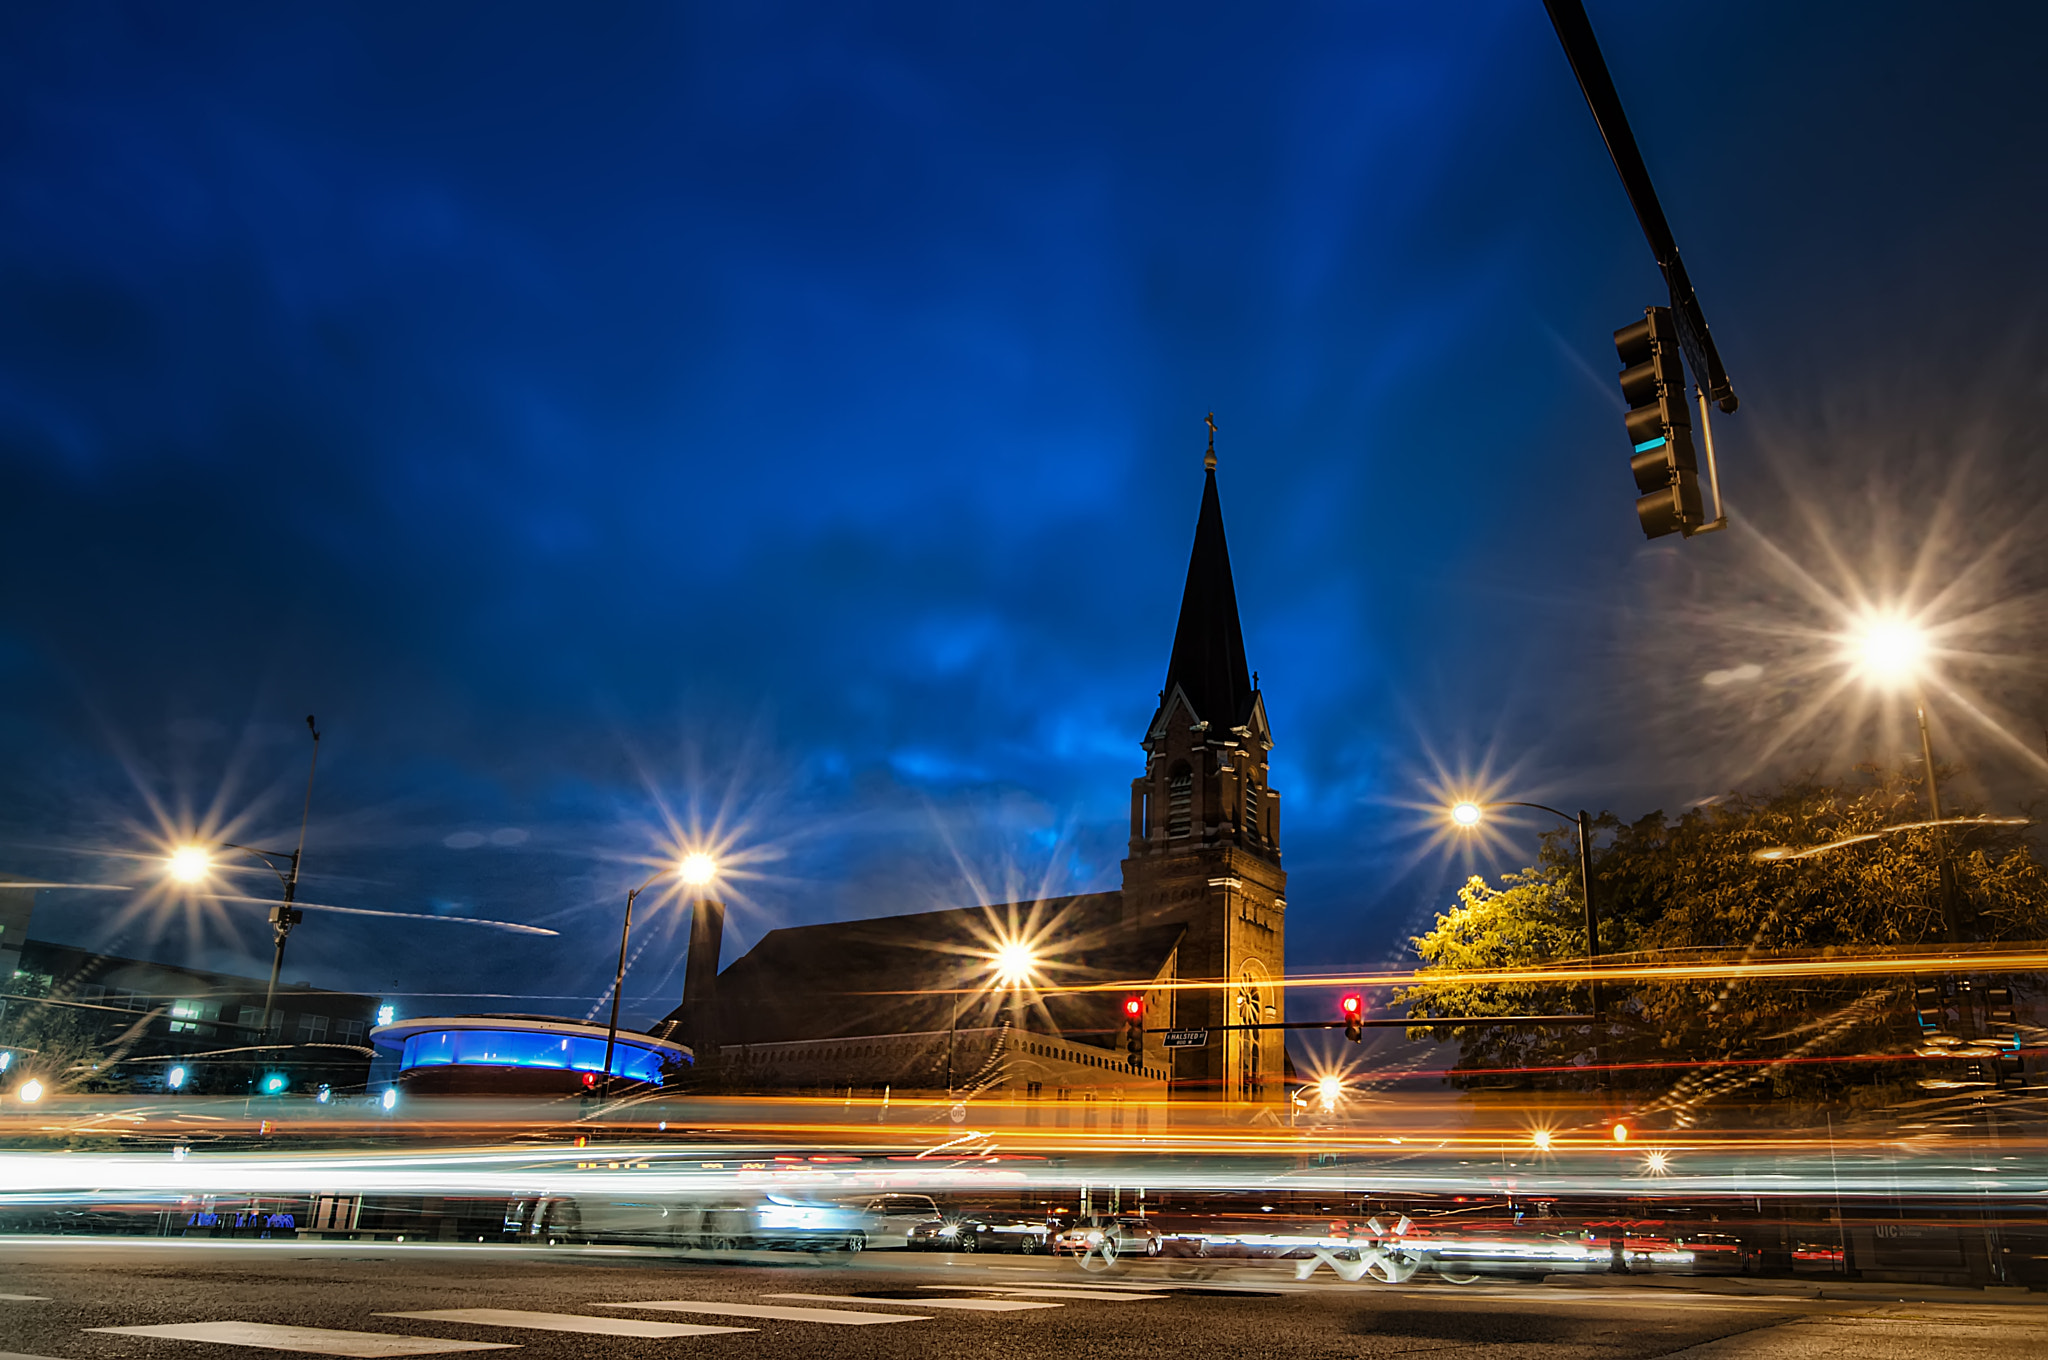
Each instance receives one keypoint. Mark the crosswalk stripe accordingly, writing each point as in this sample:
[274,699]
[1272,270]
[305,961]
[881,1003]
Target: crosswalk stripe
[1051,1291]
[834,1317]
[962,1305]
[564,1322]
[314,1340]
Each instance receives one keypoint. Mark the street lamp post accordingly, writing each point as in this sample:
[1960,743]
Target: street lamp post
[190,863]
[696,869]
[1468,814]
[1891,651]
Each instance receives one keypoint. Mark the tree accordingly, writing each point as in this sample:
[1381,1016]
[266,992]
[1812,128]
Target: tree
[1693,887]
[55,1045]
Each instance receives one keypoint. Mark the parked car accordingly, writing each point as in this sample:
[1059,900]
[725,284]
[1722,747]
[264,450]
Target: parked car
[1124,1237]
[889,1220]
[985,1232]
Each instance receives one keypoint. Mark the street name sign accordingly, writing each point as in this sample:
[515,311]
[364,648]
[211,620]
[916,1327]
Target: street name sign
[1187,1038]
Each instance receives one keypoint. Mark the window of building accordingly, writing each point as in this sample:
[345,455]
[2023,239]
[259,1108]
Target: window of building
[349,1032]
[1180,797]
[312,1028]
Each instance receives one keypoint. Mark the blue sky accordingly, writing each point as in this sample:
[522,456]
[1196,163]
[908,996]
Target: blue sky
[797,409]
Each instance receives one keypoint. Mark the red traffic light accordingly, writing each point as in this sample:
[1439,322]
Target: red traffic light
[1353,1004]
[1134,1007]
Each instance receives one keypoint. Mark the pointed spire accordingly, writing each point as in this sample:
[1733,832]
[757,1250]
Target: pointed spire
[1208,645]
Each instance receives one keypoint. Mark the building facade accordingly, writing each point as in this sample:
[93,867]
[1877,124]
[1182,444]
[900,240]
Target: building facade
[144,1026]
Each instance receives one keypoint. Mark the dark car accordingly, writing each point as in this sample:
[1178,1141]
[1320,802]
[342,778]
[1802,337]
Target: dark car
[984,1232]
[1004,1232]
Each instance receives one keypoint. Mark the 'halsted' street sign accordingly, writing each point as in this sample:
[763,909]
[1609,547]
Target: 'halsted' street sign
[1187,1038]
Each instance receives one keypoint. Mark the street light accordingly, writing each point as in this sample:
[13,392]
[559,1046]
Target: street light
[190,864]
[1014,962]
[1467,814]
[1891,651]
[1329,1090]
[696,869]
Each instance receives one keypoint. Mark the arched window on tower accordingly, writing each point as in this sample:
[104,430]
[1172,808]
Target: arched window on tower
[1254,812]
[1180,799]
[1250,1051]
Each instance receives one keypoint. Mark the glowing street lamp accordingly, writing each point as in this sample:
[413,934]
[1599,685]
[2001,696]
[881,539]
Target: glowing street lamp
[189,864]
[1541,1138]
[31,1091]
[1466,814]
[696,869]
[1329,1090]
[1015,963]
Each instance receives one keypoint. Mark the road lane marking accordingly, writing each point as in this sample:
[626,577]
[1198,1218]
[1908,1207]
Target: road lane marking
[835,1317]
[963,1305]
[26,1298]
[1052,1291]
[314,1340]
[564,1322]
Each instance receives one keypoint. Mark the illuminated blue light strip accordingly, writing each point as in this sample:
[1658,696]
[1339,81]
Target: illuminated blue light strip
[528,1048]
[1650,443]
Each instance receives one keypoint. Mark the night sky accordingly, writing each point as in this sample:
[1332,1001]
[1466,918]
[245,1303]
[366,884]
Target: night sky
[789,418]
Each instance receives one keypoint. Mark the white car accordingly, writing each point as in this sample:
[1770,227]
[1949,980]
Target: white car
[888,1219]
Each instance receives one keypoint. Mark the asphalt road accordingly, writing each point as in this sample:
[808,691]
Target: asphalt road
[152,1299]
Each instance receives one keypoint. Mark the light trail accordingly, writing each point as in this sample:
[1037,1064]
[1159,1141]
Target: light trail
[2029,957]
[1781,854]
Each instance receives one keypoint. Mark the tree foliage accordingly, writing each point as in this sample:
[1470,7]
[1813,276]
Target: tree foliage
[1693,887]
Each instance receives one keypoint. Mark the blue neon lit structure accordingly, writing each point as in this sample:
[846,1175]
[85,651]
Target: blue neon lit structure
[527,1042]
[527,1048]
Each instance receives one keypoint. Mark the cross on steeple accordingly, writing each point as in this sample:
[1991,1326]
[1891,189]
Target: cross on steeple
[1210,461]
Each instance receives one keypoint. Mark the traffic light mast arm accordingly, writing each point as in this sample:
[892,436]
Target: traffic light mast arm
[1575,32]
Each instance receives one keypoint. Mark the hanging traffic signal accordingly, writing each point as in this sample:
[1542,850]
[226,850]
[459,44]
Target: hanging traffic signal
[2001,1021]
[1353,1007]
[1134,1030]
[1930,1007]
[1659,425]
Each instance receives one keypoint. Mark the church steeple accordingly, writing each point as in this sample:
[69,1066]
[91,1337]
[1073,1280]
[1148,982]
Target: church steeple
[1208,644]
[1205,833]
[1205,772]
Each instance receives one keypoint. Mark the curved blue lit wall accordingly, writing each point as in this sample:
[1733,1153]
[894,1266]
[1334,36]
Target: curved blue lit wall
[529,1048]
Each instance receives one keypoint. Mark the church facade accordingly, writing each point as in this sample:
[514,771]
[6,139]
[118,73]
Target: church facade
[938,1001]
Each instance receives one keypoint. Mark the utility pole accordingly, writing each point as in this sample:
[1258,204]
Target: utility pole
[284,916]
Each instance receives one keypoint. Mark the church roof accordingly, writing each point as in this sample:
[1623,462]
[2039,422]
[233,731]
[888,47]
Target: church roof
[1208,644]
[905,974]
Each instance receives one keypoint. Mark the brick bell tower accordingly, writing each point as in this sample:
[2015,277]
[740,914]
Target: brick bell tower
[1205,836]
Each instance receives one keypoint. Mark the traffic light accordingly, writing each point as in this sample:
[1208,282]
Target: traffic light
[1353,1007]
[1930,1008]
[1659,425]
[2001,1027]
[2001,1022]
[1134,1030]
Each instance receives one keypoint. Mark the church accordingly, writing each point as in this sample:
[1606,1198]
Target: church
[1027,998]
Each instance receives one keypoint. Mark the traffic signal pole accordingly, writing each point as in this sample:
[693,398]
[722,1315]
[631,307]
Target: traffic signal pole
[1582,50]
